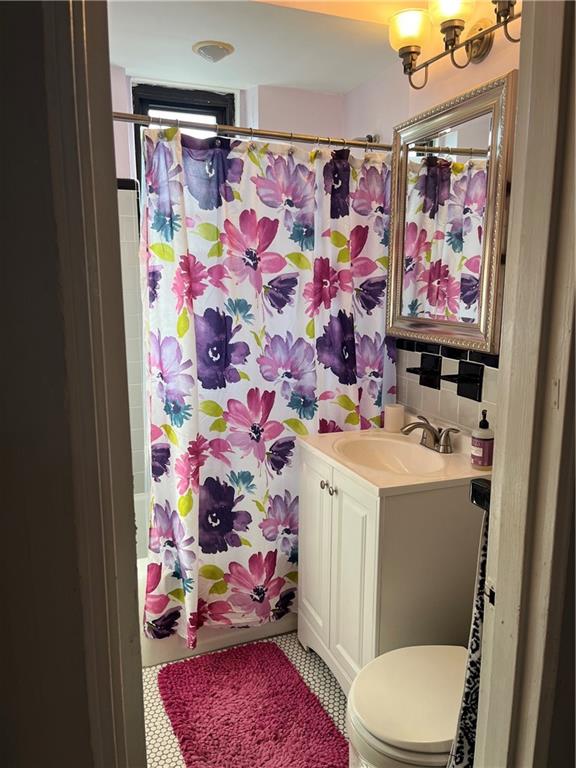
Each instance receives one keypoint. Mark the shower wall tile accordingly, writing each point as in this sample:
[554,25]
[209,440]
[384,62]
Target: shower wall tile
[444,404]
[128,219]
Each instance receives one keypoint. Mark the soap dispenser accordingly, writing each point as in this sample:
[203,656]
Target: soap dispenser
[482,445]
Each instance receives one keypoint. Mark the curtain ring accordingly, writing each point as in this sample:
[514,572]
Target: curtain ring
[291,147]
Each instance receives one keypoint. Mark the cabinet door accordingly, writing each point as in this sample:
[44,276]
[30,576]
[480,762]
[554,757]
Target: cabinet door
[353,618]
[314,544]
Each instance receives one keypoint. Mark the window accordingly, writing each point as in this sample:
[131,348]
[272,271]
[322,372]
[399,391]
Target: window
[175,103]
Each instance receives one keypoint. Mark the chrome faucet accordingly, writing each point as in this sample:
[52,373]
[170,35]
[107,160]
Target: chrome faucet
[434,438]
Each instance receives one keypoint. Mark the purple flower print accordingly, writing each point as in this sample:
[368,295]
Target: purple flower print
[469,286]
[434,184]
[391,349]
[281,524]
[282,607]
[289,362]
[154,276]
[160,176]
[336,348]
[370,294]
[217,354]
[337,183]
[475,197]
[167,366]
[279,454]
[326,425]
[167,537]
[370,362]
[160,460]
[247,247]
[373,193]
[219,522]
[209,171]
[280,291]
[288,185]
[164,626]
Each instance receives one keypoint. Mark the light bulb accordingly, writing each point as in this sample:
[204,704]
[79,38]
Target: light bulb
[408,28]
[449,10]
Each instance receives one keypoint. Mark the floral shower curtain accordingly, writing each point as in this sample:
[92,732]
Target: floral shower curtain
[264,276]
[445,206]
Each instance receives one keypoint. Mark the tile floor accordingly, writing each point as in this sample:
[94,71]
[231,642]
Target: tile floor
[161,744]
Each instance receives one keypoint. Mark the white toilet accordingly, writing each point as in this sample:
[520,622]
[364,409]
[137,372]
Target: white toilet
[403,707]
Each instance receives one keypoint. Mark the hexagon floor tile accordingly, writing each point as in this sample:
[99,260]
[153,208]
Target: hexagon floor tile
[161,743]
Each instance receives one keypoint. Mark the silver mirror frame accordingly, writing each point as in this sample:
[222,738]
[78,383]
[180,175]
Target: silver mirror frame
[497,98]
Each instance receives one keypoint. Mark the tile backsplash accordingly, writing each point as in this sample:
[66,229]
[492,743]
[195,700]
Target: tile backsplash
[444,404]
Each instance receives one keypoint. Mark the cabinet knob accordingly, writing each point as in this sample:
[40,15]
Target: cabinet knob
[323,484]
[332,491]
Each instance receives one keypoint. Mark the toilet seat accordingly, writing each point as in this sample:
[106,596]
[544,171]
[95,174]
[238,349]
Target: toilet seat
[405,703]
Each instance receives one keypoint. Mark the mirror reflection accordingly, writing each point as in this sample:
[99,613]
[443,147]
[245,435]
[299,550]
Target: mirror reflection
[445,206]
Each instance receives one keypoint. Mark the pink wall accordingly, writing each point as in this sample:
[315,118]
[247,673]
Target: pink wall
[123,132]
[387,100]
[300,111]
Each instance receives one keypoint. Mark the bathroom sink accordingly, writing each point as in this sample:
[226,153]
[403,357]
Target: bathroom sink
[384,453]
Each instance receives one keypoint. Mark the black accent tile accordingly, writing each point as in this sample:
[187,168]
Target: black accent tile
[406,344]
[429,371]
[491,361]
[424,346]
[470,382]
[453,353]
[126,184]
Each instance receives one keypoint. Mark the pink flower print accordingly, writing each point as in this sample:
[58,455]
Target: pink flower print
[473,264]
[188,465]
[253,588]
[289,362]
[249,425]
[442,291]
[361,265]
[154,603]
[281,524]
[166,365]
[247,247]
[325,284]
[415,245]
[373,193]
[288,185]
[215,611]
[192,278]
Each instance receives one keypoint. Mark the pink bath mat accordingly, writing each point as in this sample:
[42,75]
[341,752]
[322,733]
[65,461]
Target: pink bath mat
[248,707]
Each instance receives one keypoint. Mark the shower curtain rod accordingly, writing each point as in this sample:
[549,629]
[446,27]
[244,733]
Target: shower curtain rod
[468,151]
[252,133]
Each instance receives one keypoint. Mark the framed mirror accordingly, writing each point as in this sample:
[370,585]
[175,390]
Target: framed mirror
[451,172]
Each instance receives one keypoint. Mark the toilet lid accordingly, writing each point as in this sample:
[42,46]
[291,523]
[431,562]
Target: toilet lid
[411,697]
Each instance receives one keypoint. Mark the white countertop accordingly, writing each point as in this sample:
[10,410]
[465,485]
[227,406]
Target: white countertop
[456,468]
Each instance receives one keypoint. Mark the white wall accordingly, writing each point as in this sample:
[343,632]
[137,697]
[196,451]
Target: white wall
[128,217]
[123,132]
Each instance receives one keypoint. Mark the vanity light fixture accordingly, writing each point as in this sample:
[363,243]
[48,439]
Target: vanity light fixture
[409,30]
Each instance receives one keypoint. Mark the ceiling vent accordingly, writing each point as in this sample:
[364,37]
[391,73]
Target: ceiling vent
[213,50]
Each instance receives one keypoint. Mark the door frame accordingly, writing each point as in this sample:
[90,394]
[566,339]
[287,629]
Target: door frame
[77,73]
[514,715]
[532,503]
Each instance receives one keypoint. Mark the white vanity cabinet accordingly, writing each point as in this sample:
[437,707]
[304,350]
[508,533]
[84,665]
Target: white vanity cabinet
[381,568]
